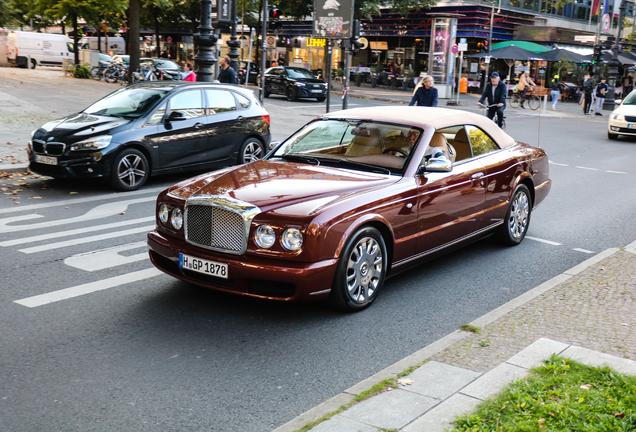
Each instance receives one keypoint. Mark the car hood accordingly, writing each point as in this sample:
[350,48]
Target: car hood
[285,188]
[626,110]
[80,126]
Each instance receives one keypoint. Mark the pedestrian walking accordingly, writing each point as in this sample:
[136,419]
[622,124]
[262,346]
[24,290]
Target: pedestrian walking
[555,91]
[495,91]
[227,74]
[524,86]
[189,74]
[425,95]
[281,60]
[627,84]
[588,88]
[599,92]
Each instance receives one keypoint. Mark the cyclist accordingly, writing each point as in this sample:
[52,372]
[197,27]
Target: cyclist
[525,86]
[495,92]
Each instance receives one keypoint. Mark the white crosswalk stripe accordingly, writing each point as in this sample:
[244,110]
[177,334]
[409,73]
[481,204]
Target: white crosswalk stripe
[107,258]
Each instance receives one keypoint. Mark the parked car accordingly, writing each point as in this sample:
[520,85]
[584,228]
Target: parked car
[105,58]
[294,82]
[164,68]
[348,200]
[153,128]
[45,49]
[622,121]
[116,45]
[123,59]
[254,72]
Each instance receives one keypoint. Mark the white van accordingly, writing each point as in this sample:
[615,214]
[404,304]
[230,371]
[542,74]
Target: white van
[116,45]
[45,49]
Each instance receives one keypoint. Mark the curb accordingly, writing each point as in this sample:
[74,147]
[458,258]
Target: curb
[13,168]
[428,351]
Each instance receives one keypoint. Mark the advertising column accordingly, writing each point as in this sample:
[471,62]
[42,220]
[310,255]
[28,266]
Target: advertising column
[441,58]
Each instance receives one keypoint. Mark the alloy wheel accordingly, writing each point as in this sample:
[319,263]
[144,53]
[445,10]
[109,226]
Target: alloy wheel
[364,269]
[131,170]
[518,221]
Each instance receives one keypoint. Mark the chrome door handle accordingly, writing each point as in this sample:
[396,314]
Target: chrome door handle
[477,176]
[240,118]
[198,125]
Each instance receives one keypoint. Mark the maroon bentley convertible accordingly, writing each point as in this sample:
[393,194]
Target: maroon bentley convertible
[353,197]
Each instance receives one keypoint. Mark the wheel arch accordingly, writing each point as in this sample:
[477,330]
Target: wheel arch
[373,221]
[139,147]
[527,181]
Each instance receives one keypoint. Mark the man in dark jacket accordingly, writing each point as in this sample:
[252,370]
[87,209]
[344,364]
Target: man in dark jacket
[495,92]
[227,75]
[425,95]
[588,88]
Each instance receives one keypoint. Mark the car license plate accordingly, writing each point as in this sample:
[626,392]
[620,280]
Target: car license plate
[47,160]
[631,126]
[198,265]
[316,91]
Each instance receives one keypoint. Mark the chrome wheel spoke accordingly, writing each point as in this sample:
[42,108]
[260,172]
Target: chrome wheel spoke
[131,170]
[364,269]
[519,211]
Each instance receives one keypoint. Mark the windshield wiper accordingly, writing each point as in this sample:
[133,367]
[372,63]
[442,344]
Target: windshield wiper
[372,168]
[300,158]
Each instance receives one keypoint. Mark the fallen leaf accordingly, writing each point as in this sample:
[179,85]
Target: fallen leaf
[586,386]
[550,414]
[122,213]
[36,197]
[405,381]
[16,202]
[617,414]
[541,423]
[73,193]
[624,324]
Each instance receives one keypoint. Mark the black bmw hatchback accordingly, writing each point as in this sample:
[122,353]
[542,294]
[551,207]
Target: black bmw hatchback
[150,129]
[294,83]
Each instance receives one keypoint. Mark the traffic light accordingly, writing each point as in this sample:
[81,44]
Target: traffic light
[596,56]
[356,29]
[274,13]
[356,45]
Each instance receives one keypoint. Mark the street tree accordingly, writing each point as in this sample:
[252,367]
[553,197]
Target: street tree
[155,14]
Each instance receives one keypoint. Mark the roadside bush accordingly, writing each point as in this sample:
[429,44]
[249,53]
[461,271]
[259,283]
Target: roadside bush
[81,71]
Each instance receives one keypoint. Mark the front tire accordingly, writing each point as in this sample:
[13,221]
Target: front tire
[361,271]
[517,221]
[321,99]
[251,150]
[515,100]
[534,102]
[130,170]
[612,136]
[291,94]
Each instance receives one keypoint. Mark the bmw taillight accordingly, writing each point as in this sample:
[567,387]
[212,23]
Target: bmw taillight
[266,118]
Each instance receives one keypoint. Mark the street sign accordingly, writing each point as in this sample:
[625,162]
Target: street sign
[333,19]
[462,46]
[169,39]
[271,42]
[221,11]
[462,41]
[487,59]
[580,38]
[454,49]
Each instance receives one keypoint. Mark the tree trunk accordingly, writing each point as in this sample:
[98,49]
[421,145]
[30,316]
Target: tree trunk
[157,32]
[133,36]
[99,39]
[75,38]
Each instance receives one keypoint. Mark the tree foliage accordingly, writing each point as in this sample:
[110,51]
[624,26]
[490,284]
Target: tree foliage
[363,8]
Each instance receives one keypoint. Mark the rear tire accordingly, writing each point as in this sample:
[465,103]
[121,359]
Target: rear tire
[612,136]
[534,102]
[517,221]
[251,150]
[96,73]
[515,100]
[361,271]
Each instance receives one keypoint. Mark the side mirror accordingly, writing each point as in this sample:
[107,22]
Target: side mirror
[438,165]
[273,144]
[176,116]
[618,101]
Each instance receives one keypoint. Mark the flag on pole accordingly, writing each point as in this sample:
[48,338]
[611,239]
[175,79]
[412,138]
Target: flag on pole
[606,7]
[595,8]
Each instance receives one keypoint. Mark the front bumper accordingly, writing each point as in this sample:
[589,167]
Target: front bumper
[305,92]
[95,165]
[621,127]
[247,275]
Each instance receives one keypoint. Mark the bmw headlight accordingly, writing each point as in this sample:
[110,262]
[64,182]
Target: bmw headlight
[300,84]
[292,239]
[618,117]
[264,236]
[92,144]
[163,213]
[177,219]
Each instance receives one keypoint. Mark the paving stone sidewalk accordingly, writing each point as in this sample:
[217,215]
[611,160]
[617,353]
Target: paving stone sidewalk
[587,313]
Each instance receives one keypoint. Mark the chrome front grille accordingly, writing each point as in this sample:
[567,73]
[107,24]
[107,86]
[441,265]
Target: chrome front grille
[49,148]
[218,223]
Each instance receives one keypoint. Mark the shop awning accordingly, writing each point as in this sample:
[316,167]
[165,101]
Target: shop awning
[563,54]
[530,46]
[510,53]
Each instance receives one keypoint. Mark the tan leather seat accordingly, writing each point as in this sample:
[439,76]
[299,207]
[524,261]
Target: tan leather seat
[366,145]
[462,145]
[440,142]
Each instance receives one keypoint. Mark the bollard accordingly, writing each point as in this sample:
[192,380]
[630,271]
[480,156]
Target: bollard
[28,62]
[545,102]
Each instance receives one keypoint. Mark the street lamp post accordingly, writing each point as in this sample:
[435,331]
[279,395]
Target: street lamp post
[614,64]
[233,43]
[205,40]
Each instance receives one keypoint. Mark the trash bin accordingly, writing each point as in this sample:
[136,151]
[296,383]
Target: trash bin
[463,85]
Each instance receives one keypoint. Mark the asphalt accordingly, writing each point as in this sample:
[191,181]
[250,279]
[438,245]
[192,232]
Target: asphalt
[587,313]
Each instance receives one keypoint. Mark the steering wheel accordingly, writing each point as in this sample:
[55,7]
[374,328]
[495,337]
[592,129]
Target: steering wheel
[396,150]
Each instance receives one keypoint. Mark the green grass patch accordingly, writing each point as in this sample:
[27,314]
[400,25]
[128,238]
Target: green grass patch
[561,395]
[470,328]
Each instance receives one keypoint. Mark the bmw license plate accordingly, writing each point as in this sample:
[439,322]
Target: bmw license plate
[47,160]
[198,265]
[316,91]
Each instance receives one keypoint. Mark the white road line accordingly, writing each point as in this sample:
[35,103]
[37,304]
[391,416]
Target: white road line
[78,201]
[583,250]
[586,168]
[543,241]
[617,172]
[101,211]
[79,290]
[84,240]
[59,234]
[559,164]
[106,258]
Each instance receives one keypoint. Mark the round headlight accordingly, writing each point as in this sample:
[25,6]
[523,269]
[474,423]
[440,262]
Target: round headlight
[163,213]
[292,239]
[177,218]
[264,236]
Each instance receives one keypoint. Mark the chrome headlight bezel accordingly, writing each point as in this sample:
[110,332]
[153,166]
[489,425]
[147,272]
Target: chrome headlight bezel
[176,218]
[92,144]
[264,236]
[292,239]
[163,213]
[300,84]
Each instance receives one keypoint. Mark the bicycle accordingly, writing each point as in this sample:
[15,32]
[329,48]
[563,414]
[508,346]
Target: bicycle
[494,118]
[534,102]
[116,73]
[145,73]
[97,72]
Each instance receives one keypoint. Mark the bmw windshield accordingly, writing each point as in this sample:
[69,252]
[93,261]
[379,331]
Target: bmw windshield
[127,102]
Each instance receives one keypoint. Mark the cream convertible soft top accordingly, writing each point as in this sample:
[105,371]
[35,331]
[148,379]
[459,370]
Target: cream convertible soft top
[439,118]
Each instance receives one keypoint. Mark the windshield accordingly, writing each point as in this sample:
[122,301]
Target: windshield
[630,99]
[352,144]
[299,73]
[128,102]
[166,64]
